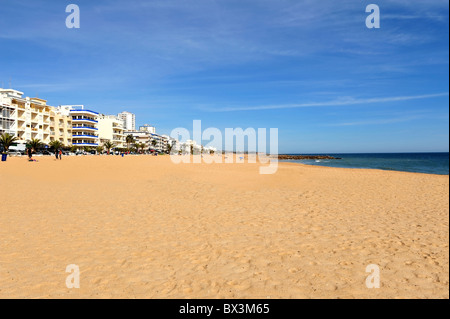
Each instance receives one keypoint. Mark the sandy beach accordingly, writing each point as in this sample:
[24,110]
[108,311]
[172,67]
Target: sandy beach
[143,227]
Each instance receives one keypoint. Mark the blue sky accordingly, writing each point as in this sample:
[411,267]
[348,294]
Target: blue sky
[309,68]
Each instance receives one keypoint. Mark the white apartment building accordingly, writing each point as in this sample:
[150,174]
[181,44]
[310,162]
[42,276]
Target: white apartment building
[140,137]
[129,120]
[8,123]
[147,128]
[31,118]
[189,145]
[84,125]
[110,128]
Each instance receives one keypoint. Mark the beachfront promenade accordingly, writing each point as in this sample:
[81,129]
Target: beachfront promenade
[143,227]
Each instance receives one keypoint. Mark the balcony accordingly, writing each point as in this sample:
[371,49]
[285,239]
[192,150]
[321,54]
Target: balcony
[85,128]
[84,136]
[82,112]
[84,120]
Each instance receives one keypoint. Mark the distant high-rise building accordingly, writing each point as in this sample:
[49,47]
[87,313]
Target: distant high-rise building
[129,120]
[147,128]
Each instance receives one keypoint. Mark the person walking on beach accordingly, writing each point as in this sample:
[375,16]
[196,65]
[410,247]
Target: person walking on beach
[56,153]
[30,153]
[60,154]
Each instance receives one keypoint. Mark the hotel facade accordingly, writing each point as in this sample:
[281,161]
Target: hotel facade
[84,125]
[31,118]
[110,128]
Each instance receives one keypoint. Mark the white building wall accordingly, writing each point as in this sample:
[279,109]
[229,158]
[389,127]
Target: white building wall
[129,120]
[111,128]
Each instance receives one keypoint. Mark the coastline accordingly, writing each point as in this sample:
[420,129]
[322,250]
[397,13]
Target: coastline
[436,163]
[357,168]
[143,227]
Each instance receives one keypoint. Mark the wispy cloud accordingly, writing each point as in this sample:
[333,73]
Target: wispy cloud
[337,102]
[378,121]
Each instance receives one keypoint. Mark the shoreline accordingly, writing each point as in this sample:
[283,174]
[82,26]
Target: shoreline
[365,168]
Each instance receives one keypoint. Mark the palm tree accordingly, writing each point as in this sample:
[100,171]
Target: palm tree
[35,144]
[108,145]
[56,145]
[154,142]
[6,140]
[170,147]
[99,149]
[130,140]
[87,149]
[142,146]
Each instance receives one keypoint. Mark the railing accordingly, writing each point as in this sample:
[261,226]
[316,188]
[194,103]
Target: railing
[84,135]
[93,144]
[85,127]
[89,120]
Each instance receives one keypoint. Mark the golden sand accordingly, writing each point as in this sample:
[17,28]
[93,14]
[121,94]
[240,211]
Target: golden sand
[143,227]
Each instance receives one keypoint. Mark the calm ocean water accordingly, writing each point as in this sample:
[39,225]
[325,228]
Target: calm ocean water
[430,163]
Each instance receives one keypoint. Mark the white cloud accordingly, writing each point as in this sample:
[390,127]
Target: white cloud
[336,102]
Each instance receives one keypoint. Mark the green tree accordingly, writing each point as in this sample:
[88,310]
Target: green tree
[35,144]
[170,147]
[129,140]
[56,145]
[108,145]
[142,146]
[6,140]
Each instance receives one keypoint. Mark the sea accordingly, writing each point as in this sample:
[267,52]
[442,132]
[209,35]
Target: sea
[429,163]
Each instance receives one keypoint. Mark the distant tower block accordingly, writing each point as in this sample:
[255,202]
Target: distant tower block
[129,120]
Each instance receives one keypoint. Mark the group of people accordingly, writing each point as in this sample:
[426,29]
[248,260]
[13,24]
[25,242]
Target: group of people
[58,154]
